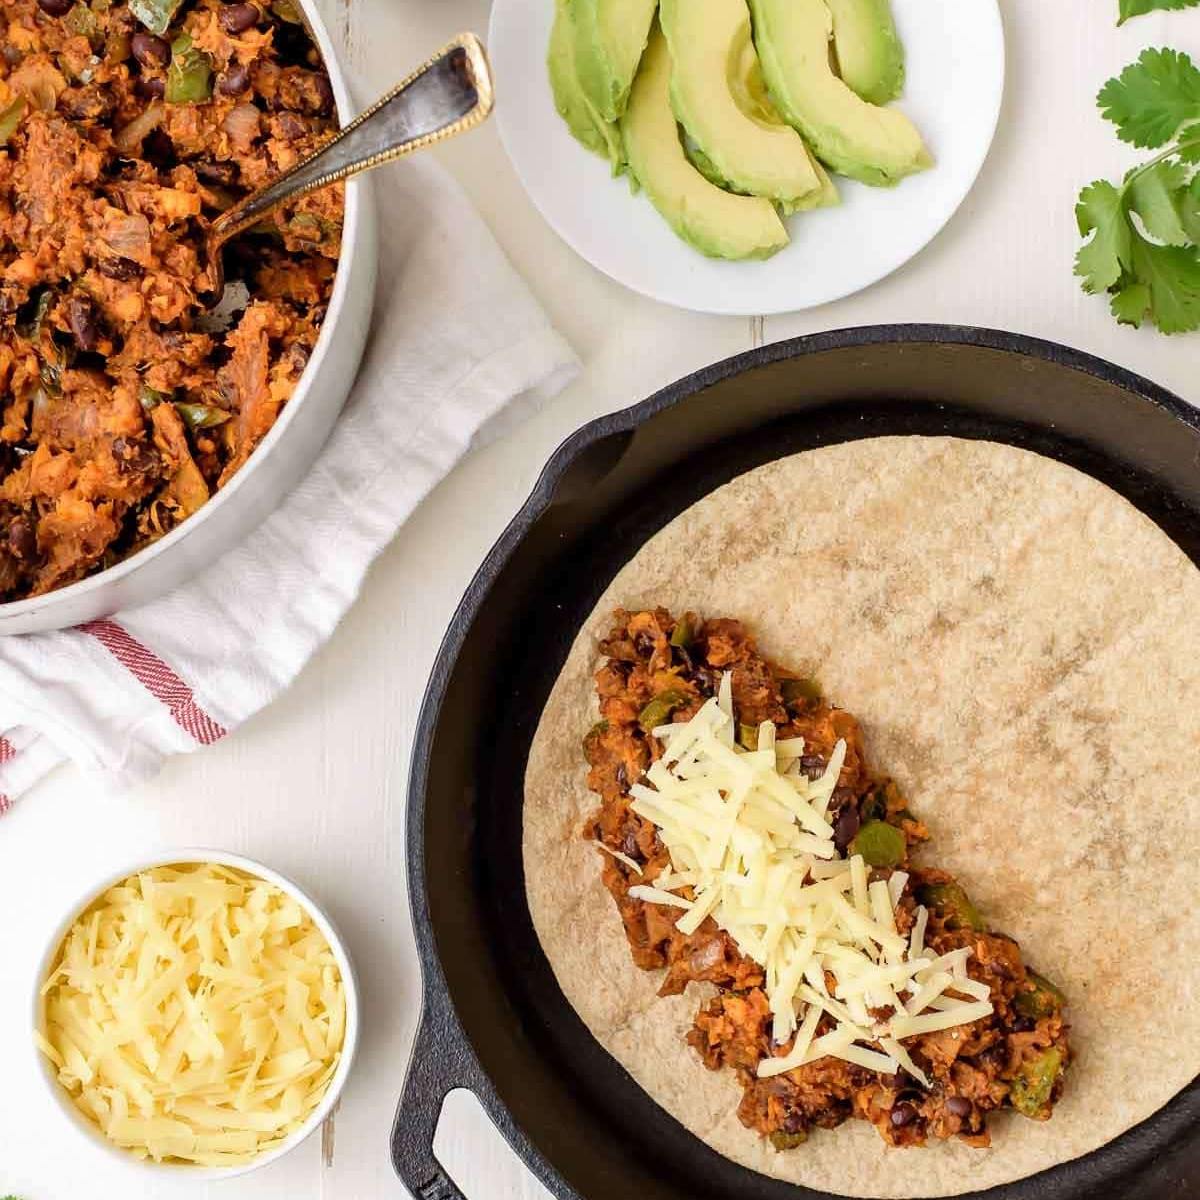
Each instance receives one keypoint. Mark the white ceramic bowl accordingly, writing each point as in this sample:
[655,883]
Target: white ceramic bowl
[283,456]
[91,1133]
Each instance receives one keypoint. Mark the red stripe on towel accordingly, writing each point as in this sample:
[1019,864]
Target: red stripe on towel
[157,678]
[7,753]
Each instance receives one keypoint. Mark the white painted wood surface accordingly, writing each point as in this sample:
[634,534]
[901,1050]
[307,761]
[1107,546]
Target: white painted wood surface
[316,785]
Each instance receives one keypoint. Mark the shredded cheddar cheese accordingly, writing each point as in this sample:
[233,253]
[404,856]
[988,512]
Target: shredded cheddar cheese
[747,833]
[195,1014]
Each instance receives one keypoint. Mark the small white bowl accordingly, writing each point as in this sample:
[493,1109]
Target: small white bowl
[92,1133]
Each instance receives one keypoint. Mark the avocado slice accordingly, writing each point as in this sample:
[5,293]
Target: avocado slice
[826,196]
[869,52]
[715,222]
[585,123]
[710,42]
[750,89]
[878,146]
[610,37]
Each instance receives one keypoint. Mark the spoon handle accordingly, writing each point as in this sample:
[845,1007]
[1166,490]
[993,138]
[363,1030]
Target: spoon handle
[450,94]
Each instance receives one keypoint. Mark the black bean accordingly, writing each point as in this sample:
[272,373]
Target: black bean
[847,827]
[11,55]
[235,80]
[629,845]
[813,765]
[122,269]
[224,173]
[90,103]
[622,776]
[903,1114]
[324,95]
[795,1122]
[56,8]
[149,50]
[150,88]
[81,316]
[960,1106]
[22,540]
[134,457]
[291,126]
[237,18]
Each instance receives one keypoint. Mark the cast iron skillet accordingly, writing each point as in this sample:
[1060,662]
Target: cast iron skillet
[494,1020]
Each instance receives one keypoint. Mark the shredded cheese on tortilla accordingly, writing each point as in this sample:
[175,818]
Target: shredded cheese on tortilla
[747,832]
[196,1014]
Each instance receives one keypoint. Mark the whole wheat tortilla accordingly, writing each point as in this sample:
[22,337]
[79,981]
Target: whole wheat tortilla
[1022,647]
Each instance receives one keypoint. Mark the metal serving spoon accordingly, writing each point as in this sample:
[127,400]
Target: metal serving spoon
[449,95]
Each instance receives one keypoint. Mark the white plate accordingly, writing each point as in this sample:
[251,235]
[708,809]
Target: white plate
[955,70]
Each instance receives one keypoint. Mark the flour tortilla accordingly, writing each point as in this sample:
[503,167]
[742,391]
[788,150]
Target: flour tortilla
[1022,647]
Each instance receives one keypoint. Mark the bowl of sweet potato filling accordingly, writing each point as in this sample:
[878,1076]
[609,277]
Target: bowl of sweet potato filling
[141,433]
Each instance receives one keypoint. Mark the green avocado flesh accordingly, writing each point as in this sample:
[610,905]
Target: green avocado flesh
[713,58]
[877,146]
[869,52]
[716,222]
[750,91]
[585,123]
[610,36]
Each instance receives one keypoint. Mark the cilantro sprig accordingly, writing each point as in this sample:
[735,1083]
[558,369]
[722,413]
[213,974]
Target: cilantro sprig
[1143,246]
[1137,8]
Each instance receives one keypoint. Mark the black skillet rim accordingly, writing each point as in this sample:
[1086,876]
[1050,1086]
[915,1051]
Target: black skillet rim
[1152,1137]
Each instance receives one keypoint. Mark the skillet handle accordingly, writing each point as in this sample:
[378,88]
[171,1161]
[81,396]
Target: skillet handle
[442,1060]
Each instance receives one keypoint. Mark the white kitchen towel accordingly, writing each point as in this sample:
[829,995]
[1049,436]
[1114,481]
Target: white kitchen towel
[459,350]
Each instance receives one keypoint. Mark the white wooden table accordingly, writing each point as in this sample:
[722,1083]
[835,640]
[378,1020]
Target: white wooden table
[316,785]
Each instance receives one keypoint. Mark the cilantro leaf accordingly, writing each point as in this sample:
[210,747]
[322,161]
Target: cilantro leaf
[1102,260]
[1156,195]
[1172,276]
[1189,150]
[1189,209]
[1142,236]
[1131,303]
[1151,100]
[1135,8]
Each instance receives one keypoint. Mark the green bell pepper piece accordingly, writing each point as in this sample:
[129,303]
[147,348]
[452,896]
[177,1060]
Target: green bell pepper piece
[953,904]
[787,1141]
[880,844]
[659,710]
[149,398]
[201,416]
[1031,1090]
[1044,999]
[189,77]
[10,118]
[683,634]
[156,15]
